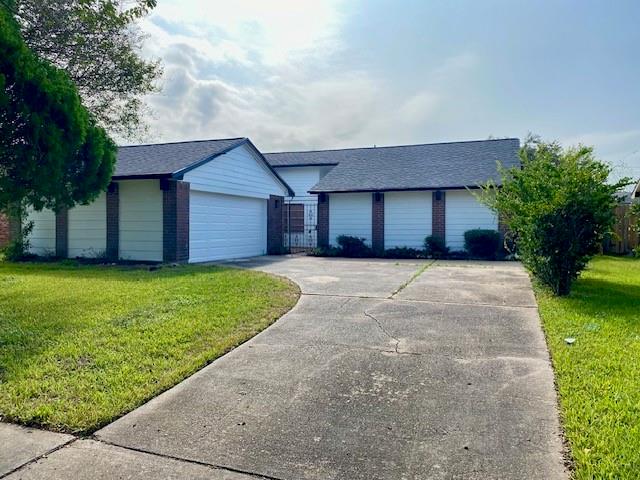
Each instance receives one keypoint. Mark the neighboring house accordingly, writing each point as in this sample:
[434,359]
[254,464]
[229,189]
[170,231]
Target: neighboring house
[220,199]
[396,196]
[635,193]
[174,202]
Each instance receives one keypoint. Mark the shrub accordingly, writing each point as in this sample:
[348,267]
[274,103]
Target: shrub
[458,255]
[435,247]
[325,252]
[18,249]
[482,243]
[404,252]
[353,246]
[558,206]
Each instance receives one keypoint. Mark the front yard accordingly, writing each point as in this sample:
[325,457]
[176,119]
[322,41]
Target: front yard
[82,345]
[599,375]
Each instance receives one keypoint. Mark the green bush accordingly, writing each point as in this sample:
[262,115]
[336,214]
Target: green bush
[353,247]
[435,247]
[325,252]
[558,207]
[482,243]
[404,252]
[18,249]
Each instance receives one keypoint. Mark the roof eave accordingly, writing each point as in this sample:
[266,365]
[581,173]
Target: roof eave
[305,165]
[141,176]
[396,189]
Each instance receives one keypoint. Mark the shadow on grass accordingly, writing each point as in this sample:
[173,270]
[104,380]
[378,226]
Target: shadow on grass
[605,298]
[134,273]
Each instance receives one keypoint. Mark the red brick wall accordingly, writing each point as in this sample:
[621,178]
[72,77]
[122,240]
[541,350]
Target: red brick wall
[438,214]
[5,237]
[175,220]
[323,220]
[377,222]
[275,225]
[113,222]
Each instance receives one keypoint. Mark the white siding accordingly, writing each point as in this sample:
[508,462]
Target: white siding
[463,212]
[238,172]
[350,214]
[226,226]
[88,229]
[407,219]
[43,235]
[301,179]
[140,220]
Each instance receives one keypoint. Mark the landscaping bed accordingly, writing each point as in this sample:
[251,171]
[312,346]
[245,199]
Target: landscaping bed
[598,376]
[83,345]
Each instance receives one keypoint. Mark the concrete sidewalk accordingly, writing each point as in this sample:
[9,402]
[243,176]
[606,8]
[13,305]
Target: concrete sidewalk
[382,370]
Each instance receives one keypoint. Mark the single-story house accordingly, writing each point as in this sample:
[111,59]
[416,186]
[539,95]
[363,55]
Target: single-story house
[396,196]
[220,199]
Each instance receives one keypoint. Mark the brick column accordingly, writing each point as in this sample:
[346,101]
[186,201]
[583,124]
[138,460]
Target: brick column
[377,222]
[438,220]
[175,220]
[113,222]
[323,220]
[62,233]
[275,230]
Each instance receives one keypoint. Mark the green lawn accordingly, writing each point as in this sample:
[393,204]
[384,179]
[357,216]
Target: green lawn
[82,345]
[599,376]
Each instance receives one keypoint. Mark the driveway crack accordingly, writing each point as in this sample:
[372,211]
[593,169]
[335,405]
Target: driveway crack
[413,277]
[385,331]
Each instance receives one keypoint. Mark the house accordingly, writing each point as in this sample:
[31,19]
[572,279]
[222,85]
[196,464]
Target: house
[174,202]
[635,193]
[395,196]
[220,199]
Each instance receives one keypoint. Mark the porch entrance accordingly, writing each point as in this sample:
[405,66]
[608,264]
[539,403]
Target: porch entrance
[300,225]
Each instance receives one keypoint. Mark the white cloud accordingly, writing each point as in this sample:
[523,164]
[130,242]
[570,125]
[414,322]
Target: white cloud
[251,70]
[620,148]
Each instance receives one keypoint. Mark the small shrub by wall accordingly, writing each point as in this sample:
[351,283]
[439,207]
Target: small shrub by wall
[482,243]
[435,247]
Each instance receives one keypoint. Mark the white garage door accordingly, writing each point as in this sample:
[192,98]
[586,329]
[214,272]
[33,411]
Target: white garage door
[226,226]
[463,212]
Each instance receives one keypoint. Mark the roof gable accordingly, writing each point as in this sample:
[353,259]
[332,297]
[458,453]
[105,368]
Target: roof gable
[167,158]
[175,159]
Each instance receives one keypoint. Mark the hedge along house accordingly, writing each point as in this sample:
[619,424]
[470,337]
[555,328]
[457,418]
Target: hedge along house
[397,196]
[174,202]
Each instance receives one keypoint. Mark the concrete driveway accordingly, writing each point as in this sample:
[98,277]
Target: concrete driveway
[383,370]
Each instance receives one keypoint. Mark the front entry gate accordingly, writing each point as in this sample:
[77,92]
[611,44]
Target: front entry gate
[300,225]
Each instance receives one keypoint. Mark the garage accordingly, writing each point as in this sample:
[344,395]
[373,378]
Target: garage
[192,202]
[226,226]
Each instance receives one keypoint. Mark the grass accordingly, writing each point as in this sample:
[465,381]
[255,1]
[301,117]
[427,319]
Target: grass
[598,377]
[83,345]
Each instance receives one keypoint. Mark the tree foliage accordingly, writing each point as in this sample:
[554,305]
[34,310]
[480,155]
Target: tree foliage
[97,43]
[52,153]
[557,207]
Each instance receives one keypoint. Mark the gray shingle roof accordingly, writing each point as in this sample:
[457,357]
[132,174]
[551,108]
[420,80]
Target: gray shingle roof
[168,158]
[407,167]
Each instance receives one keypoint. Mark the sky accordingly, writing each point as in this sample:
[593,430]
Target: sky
[312,74]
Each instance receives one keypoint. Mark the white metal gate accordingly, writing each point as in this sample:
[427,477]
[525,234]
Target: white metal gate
[300,225]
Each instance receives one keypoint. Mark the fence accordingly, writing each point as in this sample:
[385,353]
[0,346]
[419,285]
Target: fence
[625,237]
